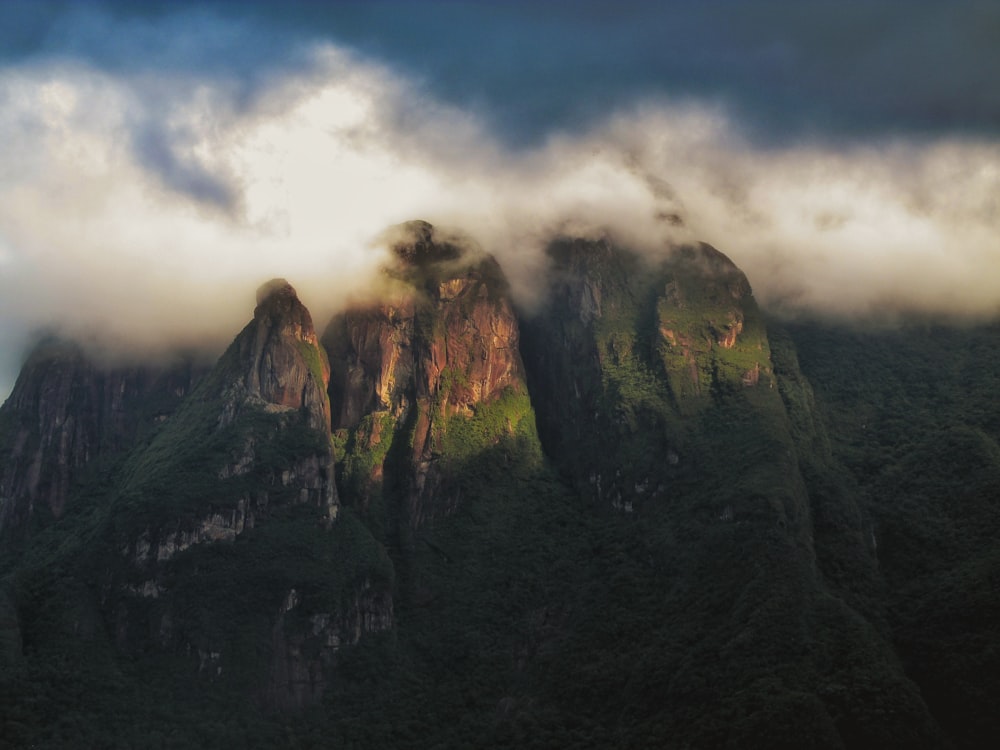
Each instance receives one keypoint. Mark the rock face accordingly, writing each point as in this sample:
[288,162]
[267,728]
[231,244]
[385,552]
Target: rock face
[304,647]
[709,330]
[282,364]
[254,435]
[65,412]
[411,369]
[656,395]
[625,355]
[242,470]
[277,365]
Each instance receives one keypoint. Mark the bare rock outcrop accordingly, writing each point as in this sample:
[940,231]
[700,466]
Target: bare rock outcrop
[278,359]
[444,343]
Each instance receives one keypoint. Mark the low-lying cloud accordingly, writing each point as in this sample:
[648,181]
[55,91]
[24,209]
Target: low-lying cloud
[141,210]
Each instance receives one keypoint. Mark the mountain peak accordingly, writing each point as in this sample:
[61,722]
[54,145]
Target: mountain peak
[418,243]
[279,307]
[276,290]
[279,355]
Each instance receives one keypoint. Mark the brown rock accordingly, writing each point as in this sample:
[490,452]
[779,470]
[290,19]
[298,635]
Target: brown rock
[447,341]
[279,356]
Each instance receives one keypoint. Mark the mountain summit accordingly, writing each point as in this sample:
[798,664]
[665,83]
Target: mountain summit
[424,368]
[279,360]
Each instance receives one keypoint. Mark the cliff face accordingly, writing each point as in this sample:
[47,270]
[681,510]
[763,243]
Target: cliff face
[416,370]
[214,509]
[276,365]
[627,358]
[279,360]
[305,644]
[247,463]
[709,330]
[656,395]
[65,412]
[255,432]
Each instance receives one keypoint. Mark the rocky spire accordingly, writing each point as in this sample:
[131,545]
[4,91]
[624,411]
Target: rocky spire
[279,360]
[415,366]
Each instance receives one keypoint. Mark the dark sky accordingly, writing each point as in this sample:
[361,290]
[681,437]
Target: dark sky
[161,159]
[792,68]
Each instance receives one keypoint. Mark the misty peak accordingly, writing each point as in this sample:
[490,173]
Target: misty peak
[275,289]
[278,301]
[418,243]
[279,312]
[276,359]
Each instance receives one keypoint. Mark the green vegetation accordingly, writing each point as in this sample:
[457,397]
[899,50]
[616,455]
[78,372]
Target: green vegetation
[313,356]
[363,454]
[507,418]
[912,414]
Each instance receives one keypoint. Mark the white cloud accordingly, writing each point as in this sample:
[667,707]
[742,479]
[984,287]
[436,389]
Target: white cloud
[145,210]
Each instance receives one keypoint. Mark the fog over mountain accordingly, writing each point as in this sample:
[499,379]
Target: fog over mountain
[160,162]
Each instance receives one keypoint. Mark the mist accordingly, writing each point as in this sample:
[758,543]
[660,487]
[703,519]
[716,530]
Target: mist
[140,210]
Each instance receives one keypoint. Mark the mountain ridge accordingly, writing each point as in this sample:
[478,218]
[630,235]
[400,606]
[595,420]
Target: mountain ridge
[334,526]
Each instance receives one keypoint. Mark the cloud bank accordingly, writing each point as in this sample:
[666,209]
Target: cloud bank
[141,208]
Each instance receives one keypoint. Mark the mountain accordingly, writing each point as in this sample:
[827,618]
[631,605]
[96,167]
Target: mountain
[65,413]
[658,389]
[637,515]
[436,365]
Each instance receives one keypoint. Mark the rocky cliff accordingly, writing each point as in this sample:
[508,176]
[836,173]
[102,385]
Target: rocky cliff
[255,432]
[628,356]
[66,411]
[201,518]
[248,458]
[425,369]
[657,396]
[279,360]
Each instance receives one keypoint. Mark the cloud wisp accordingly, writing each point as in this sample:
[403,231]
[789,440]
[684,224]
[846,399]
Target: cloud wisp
[141,209]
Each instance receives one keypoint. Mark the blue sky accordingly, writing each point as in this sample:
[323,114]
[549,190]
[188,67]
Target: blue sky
[164,158]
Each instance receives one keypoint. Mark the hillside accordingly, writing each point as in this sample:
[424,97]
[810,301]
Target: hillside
[914,417]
